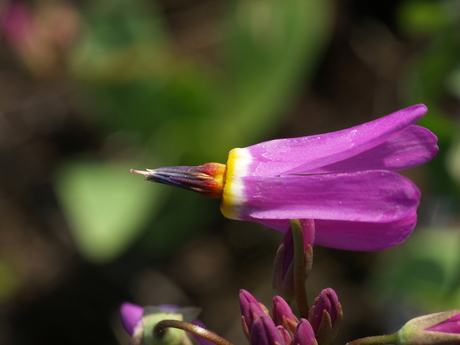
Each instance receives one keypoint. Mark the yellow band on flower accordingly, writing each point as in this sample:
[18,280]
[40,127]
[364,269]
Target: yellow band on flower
[233,196]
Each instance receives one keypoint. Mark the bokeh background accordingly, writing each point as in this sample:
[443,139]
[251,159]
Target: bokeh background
[90,89]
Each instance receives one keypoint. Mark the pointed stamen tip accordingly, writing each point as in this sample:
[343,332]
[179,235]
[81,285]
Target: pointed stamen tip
[145,173]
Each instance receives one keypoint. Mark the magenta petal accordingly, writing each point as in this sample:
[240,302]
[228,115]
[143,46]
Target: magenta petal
[300,155]
[367,196]
[130,315]
[451,325]
[362,236]
[409,148]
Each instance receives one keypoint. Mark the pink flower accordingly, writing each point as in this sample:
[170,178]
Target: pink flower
[343,180]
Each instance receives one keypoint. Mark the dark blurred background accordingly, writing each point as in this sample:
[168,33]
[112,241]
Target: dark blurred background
[90,89]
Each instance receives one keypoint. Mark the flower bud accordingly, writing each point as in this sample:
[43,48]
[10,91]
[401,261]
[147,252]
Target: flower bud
[139,323]
[250,309]
[440,328]
[283,315]
[325,316]
[304,334]
[265,332]
[283,267]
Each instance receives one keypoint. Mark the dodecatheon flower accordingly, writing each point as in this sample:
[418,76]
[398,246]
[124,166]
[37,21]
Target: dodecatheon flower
[343,180]
[440,328]
[139,323]
[325,316]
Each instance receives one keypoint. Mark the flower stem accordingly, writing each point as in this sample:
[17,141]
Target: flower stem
[375,340]
[160,331]
[300,273]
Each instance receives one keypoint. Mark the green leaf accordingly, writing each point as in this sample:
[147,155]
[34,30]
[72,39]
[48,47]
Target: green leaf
[106,206]
[425,270]
[273,47]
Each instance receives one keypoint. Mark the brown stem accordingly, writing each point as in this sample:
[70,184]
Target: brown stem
[160,330]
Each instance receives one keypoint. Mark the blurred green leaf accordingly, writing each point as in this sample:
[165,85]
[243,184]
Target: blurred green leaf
[425,271]
[425,17]
[106,206]
[10,281]
[428,77]
[273,47]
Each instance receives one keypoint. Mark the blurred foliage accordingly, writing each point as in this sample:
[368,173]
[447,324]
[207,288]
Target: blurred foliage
[424,271]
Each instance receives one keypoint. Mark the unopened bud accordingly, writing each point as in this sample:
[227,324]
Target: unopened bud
[325,316]
[283,315]
[265,332]
[250,309]
[304,334]
[434,329]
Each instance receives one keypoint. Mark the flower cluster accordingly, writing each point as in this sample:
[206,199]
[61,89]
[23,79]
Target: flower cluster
[284,328]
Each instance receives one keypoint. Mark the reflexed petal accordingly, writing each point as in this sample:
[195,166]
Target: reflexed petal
[295,155]
[412,147]
[363,236]
[367,196]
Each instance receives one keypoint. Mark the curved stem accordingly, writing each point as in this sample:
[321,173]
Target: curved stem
[160,330]
[375,340]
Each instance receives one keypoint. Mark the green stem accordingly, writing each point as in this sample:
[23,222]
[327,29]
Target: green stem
[375,340]
[300,274]
[160,331]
